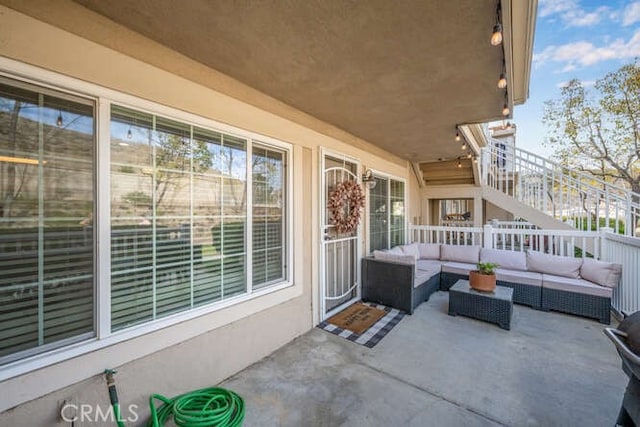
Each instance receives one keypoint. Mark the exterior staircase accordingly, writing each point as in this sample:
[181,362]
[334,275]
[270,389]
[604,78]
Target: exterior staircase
[552,196]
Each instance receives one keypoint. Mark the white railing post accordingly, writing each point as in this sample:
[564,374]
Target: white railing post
[487,236]
[629,227]
[604,250]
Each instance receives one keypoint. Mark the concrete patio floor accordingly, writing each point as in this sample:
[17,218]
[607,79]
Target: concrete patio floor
[433,369]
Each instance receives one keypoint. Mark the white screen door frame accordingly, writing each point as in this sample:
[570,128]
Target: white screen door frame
[339,253]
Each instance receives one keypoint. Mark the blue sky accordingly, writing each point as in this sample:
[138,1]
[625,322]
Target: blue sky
[582,39]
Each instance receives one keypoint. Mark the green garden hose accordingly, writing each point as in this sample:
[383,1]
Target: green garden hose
[208,407]
[201,408]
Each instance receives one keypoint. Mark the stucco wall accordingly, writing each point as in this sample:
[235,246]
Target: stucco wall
[201,351]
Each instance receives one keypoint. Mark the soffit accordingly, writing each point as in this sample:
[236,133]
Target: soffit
[400,75]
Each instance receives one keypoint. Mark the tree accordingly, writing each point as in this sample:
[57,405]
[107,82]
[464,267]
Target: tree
[599,135]
[173,156]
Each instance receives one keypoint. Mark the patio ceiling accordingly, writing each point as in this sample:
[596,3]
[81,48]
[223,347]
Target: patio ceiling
[398,74]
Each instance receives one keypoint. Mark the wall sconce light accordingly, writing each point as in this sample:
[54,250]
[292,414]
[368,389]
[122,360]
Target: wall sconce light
[368,179]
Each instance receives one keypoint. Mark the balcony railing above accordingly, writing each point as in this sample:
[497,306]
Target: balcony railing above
[567,195]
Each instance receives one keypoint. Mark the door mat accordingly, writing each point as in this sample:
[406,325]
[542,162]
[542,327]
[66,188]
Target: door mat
[357,317]
[375,333]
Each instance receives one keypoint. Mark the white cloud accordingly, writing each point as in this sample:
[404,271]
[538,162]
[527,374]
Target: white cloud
[585,83]
[571,13]
[582,53]
[552,7]
[631,14]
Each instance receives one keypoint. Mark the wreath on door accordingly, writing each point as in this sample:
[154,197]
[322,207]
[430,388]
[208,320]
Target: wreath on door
[345,201]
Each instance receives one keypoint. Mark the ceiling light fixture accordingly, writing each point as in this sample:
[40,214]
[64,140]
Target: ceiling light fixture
[459,163]
[457,136]
[59,122]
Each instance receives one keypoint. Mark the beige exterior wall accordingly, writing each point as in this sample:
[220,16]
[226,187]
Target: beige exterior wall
[492,211]
[201,351]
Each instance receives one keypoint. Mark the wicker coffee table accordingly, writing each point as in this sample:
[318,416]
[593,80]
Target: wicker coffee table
[495,307]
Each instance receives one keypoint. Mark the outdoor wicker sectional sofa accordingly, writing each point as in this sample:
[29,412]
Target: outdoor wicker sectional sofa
[405,276]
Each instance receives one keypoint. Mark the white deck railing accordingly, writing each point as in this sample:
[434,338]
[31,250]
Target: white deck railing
[564,194]
[446,234]
[626,251]
[603,245]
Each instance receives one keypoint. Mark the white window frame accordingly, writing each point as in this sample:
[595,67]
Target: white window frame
[103,98]
[383,175]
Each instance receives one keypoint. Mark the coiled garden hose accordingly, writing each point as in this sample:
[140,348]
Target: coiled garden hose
[201,408]
[208,407]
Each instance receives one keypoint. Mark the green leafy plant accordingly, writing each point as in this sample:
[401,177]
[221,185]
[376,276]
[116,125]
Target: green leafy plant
[487,268]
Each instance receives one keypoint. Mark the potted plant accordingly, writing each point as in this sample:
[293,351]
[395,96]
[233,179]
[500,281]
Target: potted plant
[484,278]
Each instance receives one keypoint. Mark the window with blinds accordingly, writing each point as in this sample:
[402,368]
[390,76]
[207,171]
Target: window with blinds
[386,214]
[47,198]
[268,216]
[179,215]
[396,213]
[379,215]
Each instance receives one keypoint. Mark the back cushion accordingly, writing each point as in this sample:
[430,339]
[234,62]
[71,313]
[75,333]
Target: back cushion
[460,253]
[600,272]
[429,250]
[387,256]
[552,264]
[508,260]
[396,250]
[411,249]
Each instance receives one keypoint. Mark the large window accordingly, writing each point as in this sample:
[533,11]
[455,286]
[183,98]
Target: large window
[46,204]
[196,216]
[386,214]
[179,215]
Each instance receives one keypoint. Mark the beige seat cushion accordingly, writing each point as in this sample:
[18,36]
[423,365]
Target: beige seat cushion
[429,265]
[579,286]
[422,276]
[462,268]
[515,276]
